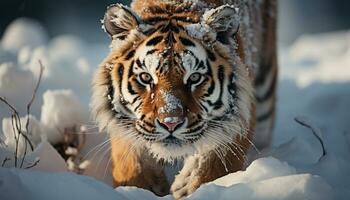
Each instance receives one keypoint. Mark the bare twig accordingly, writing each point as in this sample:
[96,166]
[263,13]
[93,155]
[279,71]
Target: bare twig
[33,95]
[12,108]
[33,164]
[17,125]
[315,131]
[28,111]
[4,161]
[15,131]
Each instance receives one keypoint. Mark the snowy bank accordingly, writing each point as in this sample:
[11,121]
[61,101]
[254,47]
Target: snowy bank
[266,178]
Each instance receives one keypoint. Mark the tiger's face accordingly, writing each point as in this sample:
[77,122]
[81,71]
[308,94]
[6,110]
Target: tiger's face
[169,89]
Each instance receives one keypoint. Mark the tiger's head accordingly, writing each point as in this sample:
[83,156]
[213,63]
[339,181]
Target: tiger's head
[174,82]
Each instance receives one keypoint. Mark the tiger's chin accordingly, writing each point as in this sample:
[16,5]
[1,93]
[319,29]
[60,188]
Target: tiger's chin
[171,151]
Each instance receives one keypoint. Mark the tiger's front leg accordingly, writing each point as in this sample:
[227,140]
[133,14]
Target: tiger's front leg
[131,168]
[200,169]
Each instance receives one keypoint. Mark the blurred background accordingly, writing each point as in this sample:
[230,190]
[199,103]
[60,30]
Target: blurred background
[81,17]
[66,35]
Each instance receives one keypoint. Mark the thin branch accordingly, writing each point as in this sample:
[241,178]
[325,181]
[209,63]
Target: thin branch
[28,113]
[17,125]
[315,131]
[34,94]
[13,120]
[9,105]
[4,161]
[33,164]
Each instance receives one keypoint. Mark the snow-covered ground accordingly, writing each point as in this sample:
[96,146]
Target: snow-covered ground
[314,86]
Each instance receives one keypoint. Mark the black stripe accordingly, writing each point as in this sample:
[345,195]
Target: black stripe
[154,41]
[110,92]
[232,86]
[202,106]
[170,27]
[130,89]
[170,39]
[138,106]
[223,37]
[148,123]
[135,99]
[265,116]
[156,10]
[156,19]
[120,76]
[151,51]
[269,92]
[122,101]
[130,73]
[264,69]
[211,55]
[186,42]
[201,65]
[212,84]
[122,37]
[194,123]
[138,63]
[130,55]
[142,117]
[129,86]
[198,128]
[221,78]
[145,129]
[165,28]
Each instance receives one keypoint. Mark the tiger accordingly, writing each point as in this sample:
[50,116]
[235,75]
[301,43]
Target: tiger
[189,86]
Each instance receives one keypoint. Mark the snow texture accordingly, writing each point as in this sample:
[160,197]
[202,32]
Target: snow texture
[315,71]
[61,109]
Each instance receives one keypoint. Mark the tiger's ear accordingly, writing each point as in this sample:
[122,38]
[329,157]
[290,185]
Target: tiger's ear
[217,24]
[119,20]
[222,19]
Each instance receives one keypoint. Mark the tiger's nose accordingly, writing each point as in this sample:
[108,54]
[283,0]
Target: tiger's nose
[171,123]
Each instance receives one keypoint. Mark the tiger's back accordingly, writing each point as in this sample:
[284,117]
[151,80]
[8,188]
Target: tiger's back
[186,81]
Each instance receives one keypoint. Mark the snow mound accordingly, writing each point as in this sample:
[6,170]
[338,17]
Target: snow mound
[54,186]
[324,58]
[14,80]
[61,109]
[23,32]
[34,129]
[273,186]
[261,169]
[302,186]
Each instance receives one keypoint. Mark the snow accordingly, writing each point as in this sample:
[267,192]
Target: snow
[14,80]
[61,109]
[35,131]
[23,32]
[313,86]
[171,103]
[320,59]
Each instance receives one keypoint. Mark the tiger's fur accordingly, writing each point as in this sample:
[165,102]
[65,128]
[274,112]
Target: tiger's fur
[147,85]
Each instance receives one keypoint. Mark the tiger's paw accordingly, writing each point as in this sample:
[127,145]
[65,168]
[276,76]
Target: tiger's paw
[183,188]
[187,181]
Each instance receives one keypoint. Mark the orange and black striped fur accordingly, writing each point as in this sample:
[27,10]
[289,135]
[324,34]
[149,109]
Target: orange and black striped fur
[188,85]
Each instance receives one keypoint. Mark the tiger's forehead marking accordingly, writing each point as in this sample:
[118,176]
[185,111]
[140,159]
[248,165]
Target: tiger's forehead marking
[171,52]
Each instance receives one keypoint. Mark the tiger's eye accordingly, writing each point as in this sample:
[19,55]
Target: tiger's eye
[195,78]
[145,78]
